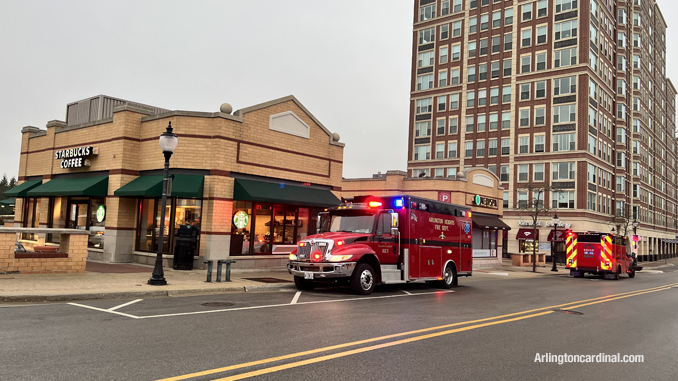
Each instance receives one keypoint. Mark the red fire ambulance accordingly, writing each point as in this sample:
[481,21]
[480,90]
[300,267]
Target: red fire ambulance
[604,254]
[386,240]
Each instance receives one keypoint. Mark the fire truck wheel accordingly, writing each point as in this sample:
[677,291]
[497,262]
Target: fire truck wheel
[303,284]
[450,278]
[632,274]
[362,280]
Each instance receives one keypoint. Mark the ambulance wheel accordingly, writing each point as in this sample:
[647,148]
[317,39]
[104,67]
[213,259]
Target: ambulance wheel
[303,284]
[363,280]
[632,273]
[450,278]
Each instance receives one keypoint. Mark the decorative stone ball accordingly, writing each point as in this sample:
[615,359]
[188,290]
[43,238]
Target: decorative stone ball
[335,137]
[226,108]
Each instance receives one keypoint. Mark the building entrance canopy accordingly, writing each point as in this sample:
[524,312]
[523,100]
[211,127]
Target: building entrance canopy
[94,186]
[189,186]
[278,193]
[527,234]
[21,190]
[560,237]
[489,222]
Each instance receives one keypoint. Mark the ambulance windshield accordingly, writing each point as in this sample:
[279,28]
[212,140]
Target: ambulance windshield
[351,224]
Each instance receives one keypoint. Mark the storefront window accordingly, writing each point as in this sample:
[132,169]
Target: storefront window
[262,229]
[58,217]
[97,221]
[527,246]
[241,227]
[484,243]
[178,212]
[31,217]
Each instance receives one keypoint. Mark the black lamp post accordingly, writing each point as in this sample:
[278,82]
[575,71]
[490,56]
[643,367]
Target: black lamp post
[168,143]
[635,236]
[554,252]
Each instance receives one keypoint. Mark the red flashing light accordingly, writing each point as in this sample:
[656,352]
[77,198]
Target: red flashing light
[374,204]
[469,214]
[306,184]
[302,244]
[316,256]
[339,243]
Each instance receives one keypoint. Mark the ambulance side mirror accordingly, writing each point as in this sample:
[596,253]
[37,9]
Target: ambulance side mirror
[394,224]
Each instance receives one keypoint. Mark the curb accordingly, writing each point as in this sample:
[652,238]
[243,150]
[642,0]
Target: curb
[137,294]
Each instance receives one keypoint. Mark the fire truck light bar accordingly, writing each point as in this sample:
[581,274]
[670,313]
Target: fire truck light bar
[375,204]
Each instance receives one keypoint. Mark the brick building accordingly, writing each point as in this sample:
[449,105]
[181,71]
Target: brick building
[568,93]
[250,182]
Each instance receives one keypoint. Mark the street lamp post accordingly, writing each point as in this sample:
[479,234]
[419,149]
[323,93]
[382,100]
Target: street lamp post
[554,252]
[635,236]
[168,143]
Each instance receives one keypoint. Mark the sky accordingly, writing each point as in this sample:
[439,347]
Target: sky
[347,61]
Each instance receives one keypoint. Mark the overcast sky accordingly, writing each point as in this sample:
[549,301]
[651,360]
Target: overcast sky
[347,61]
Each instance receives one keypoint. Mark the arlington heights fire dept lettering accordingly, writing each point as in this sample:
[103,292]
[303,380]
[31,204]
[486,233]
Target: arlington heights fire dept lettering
[75,157]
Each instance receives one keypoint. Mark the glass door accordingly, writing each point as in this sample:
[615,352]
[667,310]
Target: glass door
[285,226]
[77,213]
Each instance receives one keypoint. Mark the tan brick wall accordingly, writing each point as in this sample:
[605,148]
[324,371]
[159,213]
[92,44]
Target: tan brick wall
[74,245]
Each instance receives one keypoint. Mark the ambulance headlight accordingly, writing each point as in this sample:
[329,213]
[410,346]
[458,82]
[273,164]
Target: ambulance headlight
[340,258]
[293,257]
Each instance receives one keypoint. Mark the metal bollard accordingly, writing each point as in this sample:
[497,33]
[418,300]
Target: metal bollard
[209,270]
[228,269]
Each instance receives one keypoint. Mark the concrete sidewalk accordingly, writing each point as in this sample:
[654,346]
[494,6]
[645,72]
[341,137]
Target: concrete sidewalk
[130,281]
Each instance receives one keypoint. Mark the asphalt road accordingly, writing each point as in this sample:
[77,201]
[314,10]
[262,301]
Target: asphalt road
[490,328]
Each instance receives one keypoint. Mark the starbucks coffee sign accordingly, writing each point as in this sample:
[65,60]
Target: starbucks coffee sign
[75,157]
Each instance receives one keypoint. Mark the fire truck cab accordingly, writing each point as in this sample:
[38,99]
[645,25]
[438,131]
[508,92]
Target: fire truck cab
[604,254]
[386,240]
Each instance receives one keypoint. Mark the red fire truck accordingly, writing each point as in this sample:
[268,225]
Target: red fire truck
[604,254]
[386,240]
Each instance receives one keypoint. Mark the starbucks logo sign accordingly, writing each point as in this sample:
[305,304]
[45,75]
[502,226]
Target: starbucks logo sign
[101,213]
[241,219]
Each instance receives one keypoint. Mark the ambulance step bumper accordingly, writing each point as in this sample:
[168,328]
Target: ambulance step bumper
[310,270]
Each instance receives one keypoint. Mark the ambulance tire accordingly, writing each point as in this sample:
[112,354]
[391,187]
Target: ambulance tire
[363,279]
[632,273]
[450,278]
[302,284]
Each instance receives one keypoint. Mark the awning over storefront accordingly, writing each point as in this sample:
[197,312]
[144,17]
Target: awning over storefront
[277,193]
[21,190]
[527,234]
[95,186]
[560,237]
[666,240]
[8,202]
[489,222]
[151,186]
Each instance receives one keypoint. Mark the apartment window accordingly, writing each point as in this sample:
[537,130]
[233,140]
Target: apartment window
[593,61]
[539,116]
[445,8]
[484,22]
[541,34]
[468,149]
[471,74]
[469,123]
[621,39]
[541,8]
[427,35]
[454,101]
[525,64]
[564,142]
[526,11]
[524,118]
[565,5]
[442,101]
[454,78]
[524,144]
[425,82]
[540,89]
[439,172]
[522,200]
[454,125]
[426,59]
[525,91]
[541,61]
[456,49]
[427,12]
[495,70]
[504,173]
[494,96]
[422,129]
[621,111]
[482,123]
[482,72]
[621,184]
[456,26]
[496,19]
[539,143]
[564,114]
[621,87]
[508,16]
[473,25]
[506,94]
[470,98]
[563,171]
[506,119]
[507,67]
[566,29]
[444,31]
[443,55]
[424,105]
[442,78]
[591,201]
[522,172]
[621,159]
[451,172]
[496,44]
[505,146]
[508,42]
[538,172]
[506,200]
[563,200]
[591,173]
[494,121]
[592,145]
[565,85]
[492,150]
[419,172]
[480,148]
[440,150]
[452,150]
[472,46]
[483,47]
[526,38]
[422,152]
[440,127]
[565,57]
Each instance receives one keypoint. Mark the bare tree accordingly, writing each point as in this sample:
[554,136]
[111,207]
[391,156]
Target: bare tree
[534,206]
[622,221]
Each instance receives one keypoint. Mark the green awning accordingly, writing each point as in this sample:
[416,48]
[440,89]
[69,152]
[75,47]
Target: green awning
[21,190]
[151,186]
[8,202]
[277,193]
[95,186]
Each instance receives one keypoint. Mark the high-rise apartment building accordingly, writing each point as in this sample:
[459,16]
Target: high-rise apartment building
[570,93]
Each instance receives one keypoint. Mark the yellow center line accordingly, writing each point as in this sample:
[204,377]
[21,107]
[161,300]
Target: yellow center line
[380,338]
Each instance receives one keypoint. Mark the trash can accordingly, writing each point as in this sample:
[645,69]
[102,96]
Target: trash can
[186,241]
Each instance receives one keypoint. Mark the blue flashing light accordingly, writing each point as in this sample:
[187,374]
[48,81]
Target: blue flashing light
[399,203]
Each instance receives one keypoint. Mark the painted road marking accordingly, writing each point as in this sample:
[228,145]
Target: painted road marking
[124,305]
[503,274]
[296,297]
[103,310]
[549,309]
[408,293]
